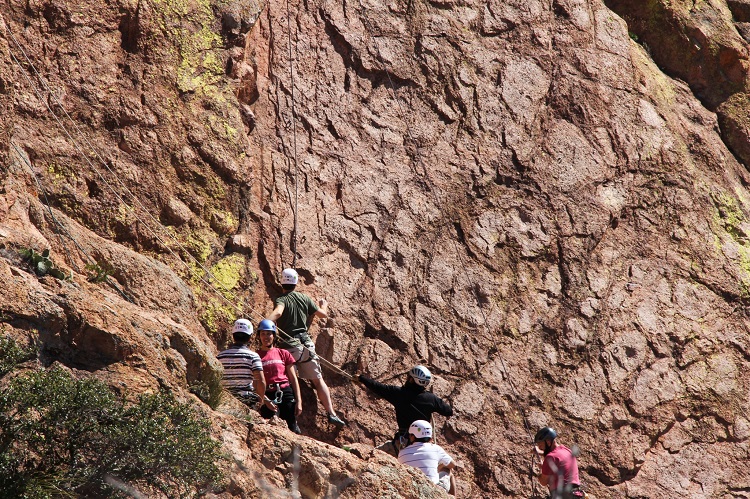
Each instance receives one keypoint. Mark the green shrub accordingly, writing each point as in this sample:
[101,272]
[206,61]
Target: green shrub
[42,264]
[65,437]
[11,354]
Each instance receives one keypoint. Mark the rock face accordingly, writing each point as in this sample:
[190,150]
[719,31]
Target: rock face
[512,193]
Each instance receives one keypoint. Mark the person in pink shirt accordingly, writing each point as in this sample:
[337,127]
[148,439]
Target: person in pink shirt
[282,386]
[559,466]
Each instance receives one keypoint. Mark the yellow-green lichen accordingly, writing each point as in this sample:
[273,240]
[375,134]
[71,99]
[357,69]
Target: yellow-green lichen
[190,26]
[730,217]
[217,313]
[227,274]
[199,244]
[224,222]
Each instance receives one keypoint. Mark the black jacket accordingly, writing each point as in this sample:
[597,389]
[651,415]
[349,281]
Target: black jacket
[411,401]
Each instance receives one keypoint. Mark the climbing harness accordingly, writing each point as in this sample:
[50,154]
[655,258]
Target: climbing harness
[278,395]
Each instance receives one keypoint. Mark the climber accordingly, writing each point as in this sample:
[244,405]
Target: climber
[559,466]
[281,380]
[421,453]
[412,402]
[294,313]
[243,371]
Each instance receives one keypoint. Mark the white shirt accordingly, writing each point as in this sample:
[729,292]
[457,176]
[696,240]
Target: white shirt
[426,456]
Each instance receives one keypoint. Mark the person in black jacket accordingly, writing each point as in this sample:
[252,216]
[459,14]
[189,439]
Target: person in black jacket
[412,402]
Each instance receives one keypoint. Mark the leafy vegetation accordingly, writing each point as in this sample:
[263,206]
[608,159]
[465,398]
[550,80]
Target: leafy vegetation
[62,437]
[12,354]
[99,272]
[42,264]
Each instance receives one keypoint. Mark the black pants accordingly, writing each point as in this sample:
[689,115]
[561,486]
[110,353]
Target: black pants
[286,407]
[570,491]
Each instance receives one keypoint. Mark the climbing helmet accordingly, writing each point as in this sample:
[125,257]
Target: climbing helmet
[242,326]
[289,276]
[421,429]
[267,325]
[421,375]
[545,433]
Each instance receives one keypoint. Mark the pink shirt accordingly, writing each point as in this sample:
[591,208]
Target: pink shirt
[563,464]
[274,363]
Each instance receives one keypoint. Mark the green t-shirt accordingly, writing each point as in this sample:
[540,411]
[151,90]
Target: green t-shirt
[293,321]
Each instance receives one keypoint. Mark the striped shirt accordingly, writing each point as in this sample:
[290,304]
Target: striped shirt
[426,456]
[239,363]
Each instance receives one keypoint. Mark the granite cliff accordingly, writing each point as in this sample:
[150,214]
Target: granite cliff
[546,202]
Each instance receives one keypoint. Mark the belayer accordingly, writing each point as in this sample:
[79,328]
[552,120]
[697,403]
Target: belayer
[243,370]
[282,386]
[421,453]
[412,402]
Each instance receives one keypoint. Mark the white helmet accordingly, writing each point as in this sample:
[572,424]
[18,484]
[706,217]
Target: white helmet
[289,276]
[421,375]
[242,326]
[421,429]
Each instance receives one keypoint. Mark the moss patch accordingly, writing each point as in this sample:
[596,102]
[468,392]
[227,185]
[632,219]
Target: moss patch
[228,272]
[730,217]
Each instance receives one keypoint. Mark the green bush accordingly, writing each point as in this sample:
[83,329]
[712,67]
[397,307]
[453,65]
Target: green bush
[62,437]
[11,354]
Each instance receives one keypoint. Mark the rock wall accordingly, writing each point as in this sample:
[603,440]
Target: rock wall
[513,193]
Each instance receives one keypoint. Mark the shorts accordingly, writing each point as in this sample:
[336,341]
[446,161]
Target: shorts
[306,360]
[445,480]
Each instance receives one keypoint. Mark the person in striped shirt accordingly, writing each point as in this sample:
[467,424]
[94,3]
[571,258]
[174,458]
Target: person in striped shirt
[430,458]
[243,370]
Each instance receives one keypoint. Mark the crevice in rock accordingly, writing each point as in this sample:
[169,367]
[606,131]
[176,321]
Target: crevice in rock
[352,60]
[130,30]
[386,337]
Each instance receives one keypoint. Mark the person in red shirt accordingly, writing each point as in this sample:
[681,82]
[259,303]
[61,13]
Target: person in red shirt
[281,379]
[559,466]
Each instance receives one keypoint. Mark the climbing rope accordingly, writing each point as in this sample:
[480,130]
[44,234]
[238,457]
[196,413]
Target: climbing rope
[294,133]
[210,283]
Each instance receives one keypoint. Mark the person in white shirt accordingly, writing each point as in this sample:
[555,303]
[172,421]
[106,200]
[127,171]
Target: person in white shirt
[428,457]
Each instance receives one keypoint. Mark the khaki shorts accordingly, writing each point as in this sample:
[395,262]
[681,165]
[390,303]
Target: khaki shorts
[445,480]
[306,361]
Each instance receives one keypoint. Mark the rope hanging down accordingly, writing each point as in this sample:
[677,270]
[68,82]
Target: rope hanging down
[294,133]
[210,284]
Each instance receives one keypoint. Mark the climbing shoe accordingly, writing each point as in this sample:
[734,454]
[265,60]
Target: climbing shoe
[333,419]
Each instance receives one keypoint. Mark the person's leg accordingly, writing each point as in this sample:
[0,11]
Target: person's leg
[324,394]
[309,368]
[286,409]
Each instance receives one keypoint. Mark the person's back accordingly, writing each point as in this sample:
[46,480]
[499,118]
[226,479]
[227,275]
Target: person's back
[562,467]
[298,307]
[426,456]
[239,362]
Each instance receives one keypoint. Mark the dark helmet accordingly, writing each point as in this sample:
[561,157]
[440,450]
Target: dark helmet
[545,433]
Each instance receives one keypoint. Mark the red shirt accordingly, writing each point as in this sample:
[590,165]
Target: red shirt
[274,363]
[563,464]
